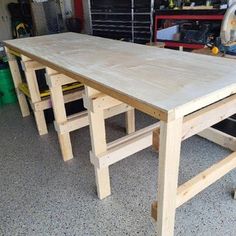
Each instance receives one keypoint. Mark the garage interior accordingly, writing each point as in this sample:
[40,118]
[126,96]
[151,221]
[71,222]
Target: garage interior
[49,138]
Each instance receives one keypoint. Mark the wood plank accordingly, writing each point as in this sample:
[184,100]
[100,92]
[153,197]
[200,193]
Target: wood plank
[16,76]
[116,110]
[80,120]
[30,64]
[60,79]
[220,138]
[60,115]
[68,97]
[168,170]
[98,139]
[104,102]
[198,121]
[124,147]
[208,116]
[35,97]
[203,180]
[73,123]
[130,121]
[100,101]
[156,139]
[121,69]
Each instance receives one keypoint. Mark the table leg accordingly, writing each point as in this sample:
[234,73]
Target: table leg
[98,139]
[35,97]
[169,156]
[59,113]
[16,76]
[130,121]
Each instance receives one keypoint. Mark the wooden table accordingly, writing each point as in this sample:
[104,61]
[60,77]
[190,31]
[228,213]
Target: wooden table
[187,92]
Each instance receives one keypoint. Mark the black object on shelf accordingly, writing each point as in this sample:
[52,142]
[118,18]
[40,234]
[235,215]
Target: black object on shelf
[21,21]
[199,32]
[74,24]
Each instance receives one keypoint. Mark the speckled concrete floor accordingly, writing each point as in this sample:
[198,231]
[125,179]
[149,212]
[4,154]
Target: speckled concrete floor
[42,195]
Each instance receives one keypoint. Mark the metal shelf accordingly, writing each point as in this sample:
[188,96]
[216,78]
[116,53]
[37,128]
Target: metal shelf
[132,20]
[118,21]
[124,31]
[122,26]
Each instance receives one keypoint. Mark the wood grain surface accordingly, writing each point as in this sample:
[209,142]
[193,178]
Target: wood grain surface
[161,82]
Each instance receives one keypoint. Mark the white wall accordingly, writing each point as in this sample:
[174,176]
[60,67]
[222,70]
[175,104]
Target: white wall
[5,20]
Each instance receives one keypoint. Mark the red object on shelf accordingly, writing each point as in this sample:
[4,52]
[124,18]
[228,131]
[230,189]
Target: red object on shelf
[183,17]
[79,12]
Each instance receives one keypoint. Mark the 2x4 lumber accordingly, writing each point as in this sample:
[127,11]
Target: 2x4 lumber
[80,120]
[130,121]
[168,170]
[73,123]
[31,65]
[201,120]
[104,102]
[98,140]
[33,86]
[57,79]
[100,101]
[12,52]
[156,139]
[124,147]
[208,116]
[16,76]
[35,97]
[60,116]
[220,138]
[203,180]
[116,110]
[68,97]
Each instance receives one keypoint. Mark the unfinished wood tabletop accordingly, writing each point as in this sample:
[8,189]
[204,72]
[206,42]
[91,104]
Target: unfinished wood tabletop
[164,81]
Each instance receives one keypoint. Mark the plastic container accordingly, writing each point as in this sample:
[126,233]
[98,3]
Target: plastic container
[1,103]
[7,90]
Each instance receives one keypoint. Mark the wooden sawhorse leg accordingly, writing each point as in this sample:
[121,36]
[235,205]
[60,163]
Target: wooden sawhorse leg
[65,124]
[59,110]
[98,140]
[16,76]
[98,106]
[169,157]
[29,69]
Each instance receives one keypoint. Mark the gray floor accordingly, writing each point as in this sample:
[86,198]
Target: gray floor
[42,195]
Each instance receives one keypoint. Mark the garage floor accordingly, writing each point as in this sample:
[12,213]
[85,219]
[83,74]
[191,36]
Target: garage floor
[42,195]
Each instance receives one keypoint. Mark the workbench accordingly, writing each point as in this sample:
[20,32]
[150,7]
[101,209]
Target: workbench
[187,93]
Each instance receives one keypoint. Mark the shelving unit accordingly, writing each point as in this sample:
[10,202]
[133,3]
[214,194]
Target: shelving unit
[131,23]
[209,15]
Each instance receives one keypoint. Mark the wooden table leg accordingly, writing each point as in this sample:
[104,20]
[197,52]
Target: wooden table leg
[35,96]
[59,114]
[130,121]
[16,76]
[169,156]
[98,139]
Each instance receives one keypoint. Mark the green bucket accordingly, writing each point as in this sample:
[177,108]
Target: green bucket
[7,90]
[1,103]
